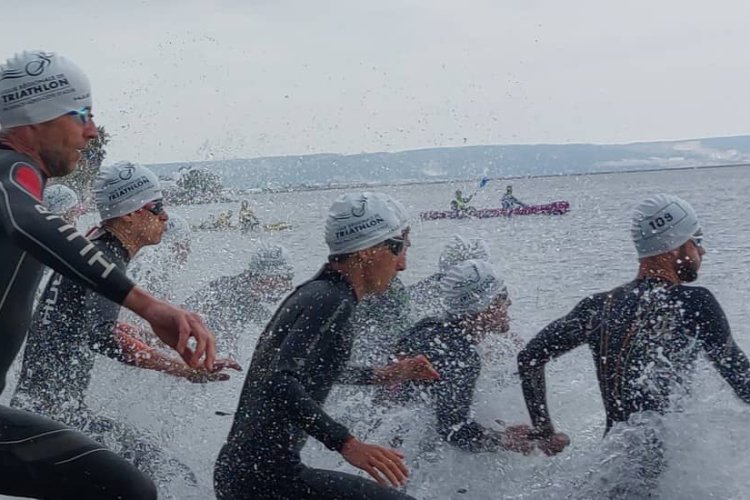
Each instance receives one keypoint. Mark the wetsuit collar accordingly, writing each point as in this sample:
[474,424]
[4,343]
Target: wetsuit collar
[328,273]
[656,280]
[104,235]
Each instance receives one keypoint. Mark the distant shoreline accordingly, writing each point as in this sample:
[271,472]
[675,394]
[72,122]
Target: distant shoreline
[359,185]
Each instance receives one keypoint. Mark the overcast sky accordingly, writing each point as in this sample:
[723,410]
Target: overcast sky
[192,80]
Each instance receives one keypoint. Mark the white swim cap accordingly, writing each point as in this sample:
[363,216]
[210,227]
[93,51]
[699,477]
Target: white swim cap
[271,260]
[60,198]
[661,223]
[470,286]
[177,229]
[362,220]
[36,87]
[460,249]
[124,188]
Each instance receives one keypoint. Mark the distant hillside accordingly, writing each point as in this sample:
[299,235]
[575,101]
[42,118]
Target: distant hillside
[469,162]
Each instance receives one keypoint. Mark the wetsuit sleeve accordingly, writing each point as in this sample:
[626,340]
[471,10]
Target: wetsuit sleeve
[99,327]
[557,338]
[312,350]
[721,348]
[454,395]
[51,240]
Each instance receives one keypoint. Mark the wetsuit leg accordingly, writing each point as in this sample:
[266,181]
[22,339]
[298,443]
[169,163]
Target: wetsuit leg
[138,448]
[340,485]
[304,483]
[41,458]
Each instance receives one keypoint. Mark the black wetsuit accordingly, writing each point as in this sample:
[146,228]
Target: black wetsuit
[300,355]
[41,458]
[71,326]
[452,351]
[645,338]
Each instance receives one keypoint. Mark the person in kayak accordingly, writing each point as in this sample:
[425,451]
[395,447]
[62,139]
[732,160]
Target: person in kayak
[508,201]
[302,353]
[461,204]
[645,335]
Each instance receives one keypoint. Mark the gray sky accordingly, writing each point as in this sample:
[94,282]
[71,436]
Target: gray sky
[192,80]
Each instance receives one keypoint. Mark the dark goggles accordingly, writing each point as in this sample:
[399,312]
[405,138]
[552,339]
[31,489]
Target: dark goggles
[697,239]
[155,207]
[396,245]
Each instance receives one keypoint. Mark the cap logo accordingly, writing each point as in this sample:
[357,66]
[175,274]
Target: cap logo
[358,210]
[32,68]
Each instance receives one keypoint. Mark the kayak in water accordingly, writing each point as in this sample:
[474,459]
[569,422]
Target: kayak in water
[553,208]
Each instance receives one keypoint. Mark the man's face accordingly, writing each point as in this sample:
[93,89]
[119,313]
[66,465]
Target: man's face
[495,318]
[60,142]
[384,261]
[150,222]
[689,259]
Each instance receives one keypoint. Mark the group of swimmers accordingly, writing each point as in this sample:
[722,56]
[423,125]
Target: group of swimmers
[644,336]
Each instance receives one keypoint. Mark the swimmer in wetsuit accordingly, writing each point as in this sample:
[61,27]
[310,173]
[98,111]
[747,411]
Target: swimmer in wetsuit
[644,336]
[41,138]
[302,353]
[72,324]
[475,302]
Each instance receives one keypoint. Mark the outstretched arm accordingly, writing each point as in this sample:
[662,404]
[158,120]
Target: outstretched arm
[559,337]
[722,350]
[137,353]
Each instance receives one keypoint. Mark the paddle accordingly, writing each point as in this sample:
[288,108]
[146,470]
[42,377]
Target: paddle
[482,183]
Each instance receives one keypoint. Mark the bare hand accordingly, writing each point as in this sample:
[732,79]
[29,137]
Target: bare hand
[553,444]
[405,369]
[516,438]
[385,465]
[201,375]
[175,326]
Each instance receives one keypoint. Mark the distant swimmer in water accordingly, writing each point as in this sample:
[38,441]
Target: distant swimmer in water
[645,336]
[62,200]
[41,138]
[508,201]
[461,204]
[475,302]
[302,353]
[230,303]
[247,219]
[72,324]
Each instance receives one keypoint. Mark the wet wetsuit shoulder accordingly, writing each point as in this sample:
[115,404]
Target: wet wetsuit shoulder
[31,236]
[452,352]
[298,357]
[70,325]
